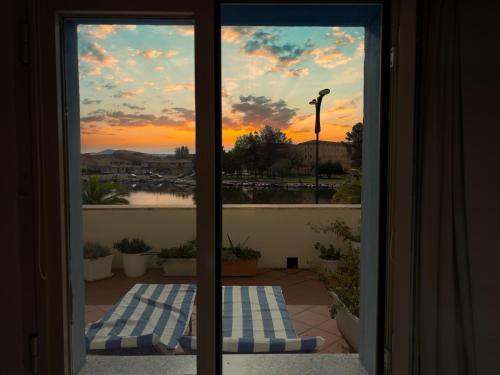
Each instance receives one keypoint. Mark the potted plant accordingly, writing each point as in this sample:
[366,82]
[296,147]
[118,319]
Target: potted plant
[134,260]
[97,261]
[239,259]
[329,256]
[179,260]
[345,291]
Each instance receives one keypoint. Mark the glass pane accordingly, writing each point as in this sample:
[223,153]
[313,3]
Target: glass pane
[138,212]
[293,104]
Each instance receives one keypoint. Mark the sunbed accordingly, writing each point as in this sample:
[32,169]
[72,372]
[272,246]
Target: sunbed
[255,319]
[149,319]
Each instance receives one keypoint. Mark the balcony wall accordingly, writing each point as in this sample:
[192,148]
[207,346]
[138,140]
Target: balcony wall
[278,231]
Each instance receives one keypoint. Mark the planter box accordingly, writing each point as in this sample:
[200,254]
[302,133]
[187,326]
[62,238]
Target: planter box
[347,323]
[329,265]
[179,267]
[240,267]
[97,269]
[134,265]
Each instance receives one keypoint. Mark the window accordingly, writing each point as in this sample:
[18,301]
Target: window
[128,115]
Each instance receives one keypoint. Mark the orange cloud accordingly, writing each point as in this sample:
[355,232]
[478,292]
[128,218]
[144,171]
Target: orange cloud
[329,57]
[171,87]
[94,53]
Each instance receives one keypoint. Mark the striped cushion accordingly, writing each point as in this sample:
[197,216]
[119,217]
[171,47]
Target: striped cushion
[260,345]
[147,315]
[255,319]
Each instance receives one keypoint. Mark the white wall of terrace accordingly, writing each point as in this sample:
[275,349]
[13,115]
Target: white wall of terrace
[277,231]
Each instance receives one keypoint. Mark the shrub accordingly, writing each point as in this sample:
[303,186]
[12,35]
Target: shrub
[328,253]
[345,282]
[133,246]
[187,250]
[94,250]
[239,251]
[349,192]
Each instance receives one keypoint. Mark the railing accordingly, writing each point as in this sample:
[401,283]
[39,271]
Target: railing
[277,231]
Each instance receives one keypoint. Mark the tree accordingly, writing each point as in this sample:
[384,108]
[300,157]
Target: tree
[94,192]
[330,168]
[354,144]
[281,167]
[181,152]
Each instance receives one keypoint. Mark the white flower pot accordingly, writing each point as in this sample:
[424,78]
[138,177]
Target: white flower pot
[97,269]
[135,265]
[179,267]
[329,265]
[348,325]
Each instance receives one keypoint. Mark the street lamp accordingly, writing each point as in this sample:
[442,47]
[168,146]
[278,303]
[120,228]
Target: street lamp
[317,128]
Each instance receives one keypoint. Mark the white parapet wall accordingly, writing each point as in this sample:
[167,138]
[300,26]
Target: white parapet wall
[277,231]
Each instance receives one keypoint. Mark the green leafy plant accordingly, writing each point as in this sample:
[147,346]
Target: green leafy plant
[94,250]
[349,192]
[234,252]
[328,252]
[133,246]
[187,250]
[338,227]
[95,192]
[345,283]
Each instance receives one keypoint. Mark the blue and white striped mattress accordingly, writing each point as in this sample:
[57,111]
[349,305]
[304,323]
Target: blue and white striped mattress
[255,319]
[148,315]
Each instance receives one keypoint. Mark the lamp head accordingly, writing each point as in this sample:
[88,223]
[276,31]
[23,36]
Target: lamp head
[324,92]
[312,102]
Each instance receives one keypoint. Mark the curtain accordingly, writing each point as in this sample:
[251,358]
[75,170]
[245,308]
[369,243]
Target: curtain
[444,331]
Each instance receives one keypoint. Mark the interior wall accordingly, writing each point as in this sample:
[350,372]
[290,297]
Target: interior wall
[479,32]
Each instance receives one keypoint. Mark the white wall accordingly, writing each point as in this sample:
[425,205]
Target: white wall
[278,231]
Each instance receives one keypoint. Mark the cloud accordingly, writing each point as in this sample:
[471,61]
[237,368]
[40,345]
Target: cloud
[360,50]
[234,34]
[294,73]
[93,52]
[95,71]
[129,93]
[172,87]
[185,30]
[103,31]
[329,57]
[120,118]
[154,53]
[261,110]
[342,37]
[159,68]
[131,62]
[185,114]
[91,101]
[133,107]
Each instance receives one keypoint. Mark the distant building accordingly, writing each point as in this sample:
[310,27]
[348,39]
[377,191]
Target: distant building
[328,151]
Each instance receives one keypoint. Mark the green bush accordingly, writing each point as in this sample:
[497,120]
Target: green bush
[187,250]
[94,250]
[328,252]
[345,282]
[133,246]
[349,192]
[239,251]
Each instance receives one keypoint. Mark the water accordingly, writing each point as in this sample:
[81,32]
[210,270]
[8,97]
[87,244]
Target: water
[232,195]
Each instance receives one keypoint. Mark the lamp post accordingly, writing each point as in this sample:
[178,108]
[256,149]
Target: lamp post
[317,129]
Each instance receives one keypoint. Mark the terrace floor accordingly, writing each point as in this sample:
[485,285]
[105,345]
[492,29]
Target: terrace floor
[306,296]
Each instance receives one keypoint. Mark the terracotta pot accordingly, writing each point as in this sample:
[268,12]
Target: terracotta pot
[97,269]
[179,267]
[240,267]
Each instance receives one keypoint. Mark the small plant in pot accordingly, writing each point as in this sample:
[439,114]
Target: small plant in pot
[135,260]
[97,261]
[239,259]
[329,256]
[179,260]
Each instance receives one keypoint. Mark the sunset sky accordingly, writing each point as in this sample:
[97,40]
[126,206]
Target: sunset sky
[137,83]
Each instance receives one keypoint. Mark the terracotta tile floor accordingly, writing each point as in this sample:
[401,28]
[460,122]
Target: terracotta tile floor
[307,299]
